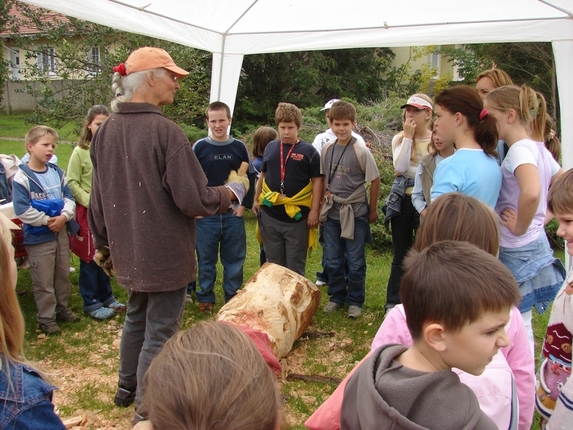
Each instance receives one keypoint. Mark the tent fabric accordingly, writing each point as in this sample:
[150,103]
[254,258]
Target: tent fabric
[231,29]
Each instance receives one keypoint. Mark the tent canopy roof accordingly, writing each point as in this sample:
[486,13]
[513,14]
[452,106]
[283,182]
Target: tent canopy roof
[261,26]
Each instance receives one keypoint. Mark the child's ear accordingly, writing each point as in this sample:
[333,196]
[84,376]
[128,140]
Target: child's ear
[29,146]
[511,116]
[434,336]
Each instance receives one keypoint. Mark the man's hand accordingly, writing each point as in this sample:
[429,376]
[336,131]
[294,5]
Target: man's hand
[103,259]
[56,223]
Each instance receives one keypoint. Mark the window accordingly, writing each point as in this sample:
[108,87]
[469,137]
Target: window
[93,66]
[435,59]
[46,61]
[14,59]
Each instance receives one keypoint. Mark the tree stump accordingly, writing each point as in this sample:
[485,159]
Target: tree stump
[275,301]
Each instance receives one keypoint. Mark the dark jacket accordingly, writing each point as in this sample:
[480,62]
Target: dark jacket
[148,187]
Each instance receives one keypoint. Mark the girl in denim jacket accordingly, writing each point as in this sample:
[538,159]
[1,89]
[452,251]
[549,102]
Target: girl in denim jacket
[25,397]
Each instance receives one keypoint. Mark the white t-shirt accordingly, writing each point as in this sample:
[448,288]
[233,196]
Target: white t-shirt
[328,136]
[525,151]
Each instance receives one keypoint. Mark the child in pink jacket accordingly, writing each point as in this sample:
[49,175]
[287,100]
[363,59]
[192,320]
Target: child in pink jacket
[506,389]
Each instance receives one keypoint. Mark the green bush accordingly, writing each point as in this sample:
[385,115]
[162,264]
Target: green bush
[193,133]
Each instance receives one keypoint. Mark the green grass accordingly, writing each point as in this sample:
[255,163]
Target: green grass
[16,126]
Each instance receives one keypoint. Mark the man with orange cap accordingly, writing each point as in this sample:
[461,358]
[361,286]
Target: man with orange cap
[148,187]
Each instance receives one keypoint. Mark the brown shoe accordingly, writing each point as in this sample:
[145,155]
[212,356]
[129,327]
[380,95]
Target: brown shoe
[206,308]
[50,328]
[67,316]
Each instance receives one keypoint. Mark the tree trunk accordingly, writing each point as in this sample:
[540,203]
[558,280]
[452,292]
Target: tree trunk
[276,301]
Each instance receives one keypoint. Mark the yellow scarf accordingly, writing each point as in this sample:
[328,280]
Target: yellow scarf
[292,208]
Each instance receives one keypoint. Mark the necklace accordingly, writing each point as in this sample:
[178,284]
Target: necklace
[430,360]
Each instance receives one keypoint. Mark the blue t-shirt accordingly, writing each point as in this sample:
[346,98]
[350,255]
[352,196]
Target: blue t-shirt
[471,172]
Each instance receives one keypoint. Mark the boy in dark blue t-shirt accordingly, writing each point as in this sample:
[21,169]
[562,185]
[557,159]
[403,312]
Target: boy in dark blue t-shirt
[222,234]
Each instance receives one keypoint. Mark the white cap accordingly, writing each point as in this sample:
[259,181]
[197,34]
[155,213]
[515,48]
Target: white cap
[329,104]
[418,102]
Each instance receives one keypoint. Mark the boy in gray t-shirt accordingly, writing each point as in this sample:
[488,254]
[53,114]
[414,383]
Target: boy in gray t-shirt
[346,213]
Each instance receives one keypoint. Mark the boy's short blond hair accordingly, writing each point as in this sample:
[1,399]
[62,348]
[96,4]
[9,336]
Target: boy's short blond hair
[560,198]
[454,283]
[287,112]
[342,110]
[39,131]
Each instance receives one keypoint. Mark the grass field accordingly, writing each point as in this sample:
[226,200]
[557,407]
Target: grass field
[83,361]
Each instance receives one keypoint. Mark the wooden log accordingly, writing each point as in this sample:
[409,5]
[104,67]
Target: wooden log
[276,301]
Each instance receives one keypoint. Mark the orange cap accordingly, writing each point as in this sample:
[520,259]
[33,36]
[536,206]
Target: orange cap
[148,58]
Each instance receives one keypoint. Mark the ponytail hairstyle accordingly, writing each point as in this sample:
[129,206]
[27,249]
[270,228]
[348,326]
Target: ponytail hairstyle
[432,150]
[528,104]
[87,136]
[552,142]
[467,101]
[401,134]
[124,86]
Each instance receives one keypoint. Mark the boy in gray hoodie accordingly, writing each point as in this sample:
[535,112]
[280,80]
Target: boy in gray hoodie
[457,300]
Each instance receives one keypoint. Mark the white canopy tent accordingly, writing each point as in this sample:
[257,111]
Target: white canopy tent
[231,29]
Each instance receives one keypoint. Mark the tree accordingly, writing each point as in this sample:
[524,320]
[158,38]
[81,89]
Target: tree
[311,78]
[69,64]
[527,63]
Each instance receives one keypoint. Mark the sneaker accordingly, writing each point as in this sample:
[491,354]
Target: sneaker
[67,316]
[354,311]
[72,269]
[206,308]
[116,306]
[320,283]
[124,396]
[188,298]
[50,328]
[331,307]
[102,313]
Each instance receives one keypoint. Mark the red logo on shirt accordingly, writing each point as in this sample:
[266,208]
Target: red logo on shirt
[297,157]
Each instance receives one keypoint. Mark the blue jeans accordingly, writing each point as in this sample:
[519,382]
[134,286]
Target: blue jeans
[95,286]
[349,288]
[151,319]
[537,272]
[228,231]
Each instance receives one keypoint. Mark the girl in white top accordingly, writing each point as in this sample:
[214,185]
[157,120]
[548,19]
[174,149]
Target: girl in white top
[408,148]
[528,171]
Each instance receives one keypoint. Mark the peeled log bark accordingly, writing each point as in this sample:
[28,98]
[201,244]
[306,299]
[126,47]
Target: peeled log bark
[276,301]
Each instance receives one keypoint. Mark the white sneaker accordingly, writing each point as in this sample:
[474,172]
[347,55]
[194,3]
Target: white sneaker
[72,269]
[320,283]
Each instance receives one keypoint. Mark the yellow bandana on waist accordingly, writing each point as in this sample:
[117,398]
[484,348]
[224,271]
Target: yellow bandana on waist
[292,208]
